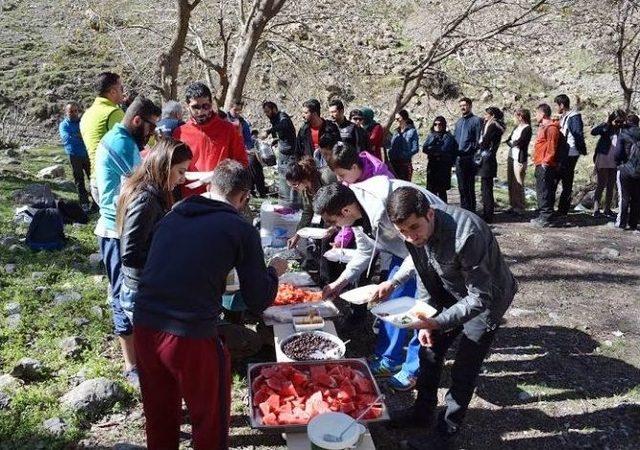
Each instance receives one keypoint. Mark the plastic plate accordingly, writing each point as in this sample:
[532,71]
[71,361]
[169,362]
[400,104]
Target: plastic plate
[401,311]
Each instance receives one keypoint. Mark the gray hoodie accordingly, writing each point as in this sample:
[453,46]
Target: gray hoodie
[372,194]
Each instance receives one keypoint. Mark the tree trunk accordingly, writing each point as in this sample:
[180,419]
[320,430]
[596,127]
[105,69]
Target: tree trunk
[170,61]
[263,11]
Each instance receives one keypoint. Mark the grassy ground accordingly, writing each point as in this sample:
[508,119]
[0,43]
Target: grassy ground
[564,371]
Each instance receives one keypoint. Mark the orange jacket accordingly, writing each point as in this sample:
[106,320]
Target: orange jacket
[210,143]
[544,152]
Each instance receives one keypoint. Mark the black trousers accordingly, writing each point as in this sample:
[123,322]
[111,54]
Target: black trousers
[488,202]
[80,166]
[466,175]
[629,208]
[257,175]
[475,341]
[546,183]
[566,173]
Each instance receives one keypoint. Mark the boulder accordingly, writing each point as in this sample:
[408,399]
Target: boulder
[13,321]
[29,369]
[12,308]
[5,400]
[9,268]
[9,383]
[93,397]
[72,346]
[67,297]
[51,172]
[33,193]
[55,426]
[67,185]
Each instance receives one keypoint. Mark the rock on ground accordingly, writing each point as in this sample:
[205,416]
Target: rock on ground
[12,308]
[66,297]
[93,397]
[5,400]
[29,369]
[55,426]
[33,193]
[73,346]
[56,171]
[9,383]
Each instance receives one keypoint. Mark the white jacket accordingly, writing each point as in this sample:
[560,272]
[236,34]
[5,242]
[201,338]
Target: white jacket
[372,194]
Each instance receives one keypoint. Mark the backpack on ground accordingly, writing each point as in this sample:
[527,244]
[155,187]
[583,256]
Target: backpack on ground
[46,230]
[72,212]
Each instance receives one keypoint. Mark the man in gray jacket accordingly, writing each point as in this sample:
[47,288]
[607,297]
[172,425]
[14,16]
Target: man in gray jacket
[463,275]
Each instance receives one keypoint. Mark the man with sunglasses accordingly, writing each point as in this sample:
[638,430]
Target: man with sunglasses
[210,138]
[117,156]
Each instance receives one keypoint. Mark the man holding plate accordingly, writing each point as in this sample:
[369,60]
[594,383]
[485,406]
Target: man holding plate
[462,273]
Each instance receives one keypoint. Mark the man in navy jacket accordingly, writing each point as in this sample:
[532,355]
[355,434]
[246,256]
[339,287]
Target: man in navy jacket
[74,147]
[177,312]
[467,133]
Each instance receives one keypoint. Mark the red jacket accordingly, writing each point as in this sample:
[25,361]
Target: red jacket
[544,152]
[376,139]
[210,143]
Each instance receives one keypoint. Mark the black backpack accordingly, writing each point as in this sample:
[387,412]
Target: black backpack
[46,230]
[632,165]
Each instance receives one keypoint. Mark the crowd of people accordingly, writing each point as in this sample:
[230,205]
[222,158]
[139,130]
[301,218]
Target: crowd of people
[168,245]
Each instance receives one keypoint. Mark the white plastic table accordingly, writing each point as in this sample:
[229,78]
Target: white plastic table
[300,441]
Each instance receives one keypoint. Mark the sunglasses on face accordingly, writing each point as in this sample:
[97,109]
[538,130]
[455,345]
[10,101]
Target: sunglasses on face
[152,124]
[358,119]
[438,124]
[203,107]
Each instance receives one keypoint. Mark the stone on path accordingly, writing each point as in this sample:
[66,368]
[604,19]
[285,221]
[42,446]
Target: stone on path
[55,171]
[73,346]
[93,397]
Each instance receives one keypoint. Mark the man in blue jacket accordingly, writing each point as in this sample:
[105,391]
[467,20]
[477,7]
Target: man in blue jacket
[571,127]
[74,148]
[468,130]
[117,156]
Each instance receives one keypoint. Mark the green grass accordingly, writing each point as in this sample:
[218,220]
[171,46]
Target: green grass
[45,324]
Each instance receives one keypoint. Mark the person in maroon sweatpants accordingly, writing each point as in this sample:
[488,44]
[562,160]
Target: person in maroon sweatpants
[180,354]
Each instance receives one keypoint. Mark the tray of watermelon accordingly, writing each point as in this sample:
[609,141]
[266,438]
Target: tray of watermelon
[285,396]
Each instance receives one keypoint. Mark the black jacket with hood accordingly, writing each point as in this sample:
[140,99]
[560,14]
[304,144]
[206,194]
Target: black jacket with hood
[304,142]
[194,248]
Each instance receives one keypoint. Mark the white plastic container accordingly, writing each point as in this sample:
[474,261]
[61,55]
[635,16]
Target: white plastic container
[334,423]
[277,227]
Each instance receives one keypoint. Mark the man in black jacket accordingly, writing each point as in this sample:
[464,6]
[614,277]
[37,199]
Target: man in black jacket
[463,275]
[314,127]
[628,160]
[349,131]
[571,127]
[283,129]
[179,350]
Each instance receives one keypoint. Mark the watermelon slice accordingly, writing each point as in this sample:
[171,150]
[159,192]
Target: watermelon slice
[257,383]
[269,419]
[324,380]
[261,395]
[347,407]
[288,390]
[269,371]
[362,385]
[346,391]
[264,408]
[276,382]
[317,370]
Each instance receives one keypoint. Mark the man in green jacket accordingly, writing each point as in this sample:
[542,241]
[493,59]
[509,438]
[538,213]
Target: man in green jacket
[101,116]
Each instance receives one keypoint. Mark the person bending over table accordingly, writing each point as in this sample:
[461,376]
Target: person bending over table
[179,350]
[362,206]
[462,273]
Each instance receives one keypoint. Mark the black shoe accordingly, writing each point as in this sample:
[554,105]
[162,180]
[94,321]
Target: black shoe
[412,417]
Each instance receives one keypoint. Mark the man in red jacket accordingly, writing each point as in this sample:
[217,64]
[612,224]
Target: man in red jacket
[210,138]
[544,158]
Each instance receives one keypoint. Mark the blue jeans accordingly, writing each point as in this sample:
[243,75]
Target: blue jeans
[391,339]
[110,253]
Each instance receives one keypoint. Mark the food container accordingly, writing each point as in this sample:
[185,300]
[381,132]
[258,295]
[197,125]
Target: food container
[360,295]
[300,325]
[298,279]
[359,364]
[334,423]
[400,311]
[335,354]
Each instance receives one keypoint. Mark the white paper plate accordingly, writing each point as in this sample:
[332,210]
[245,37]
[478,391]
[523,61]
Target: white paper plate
[399,311]
[312,233]
[342,255]
[333,422]
[360,295]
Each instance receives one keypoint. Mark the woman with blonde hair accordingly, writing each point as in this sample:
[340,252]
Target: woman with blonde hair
[145,198]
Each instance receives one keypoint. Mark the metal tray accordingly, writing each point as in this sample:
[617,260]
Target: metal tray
[355,363]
